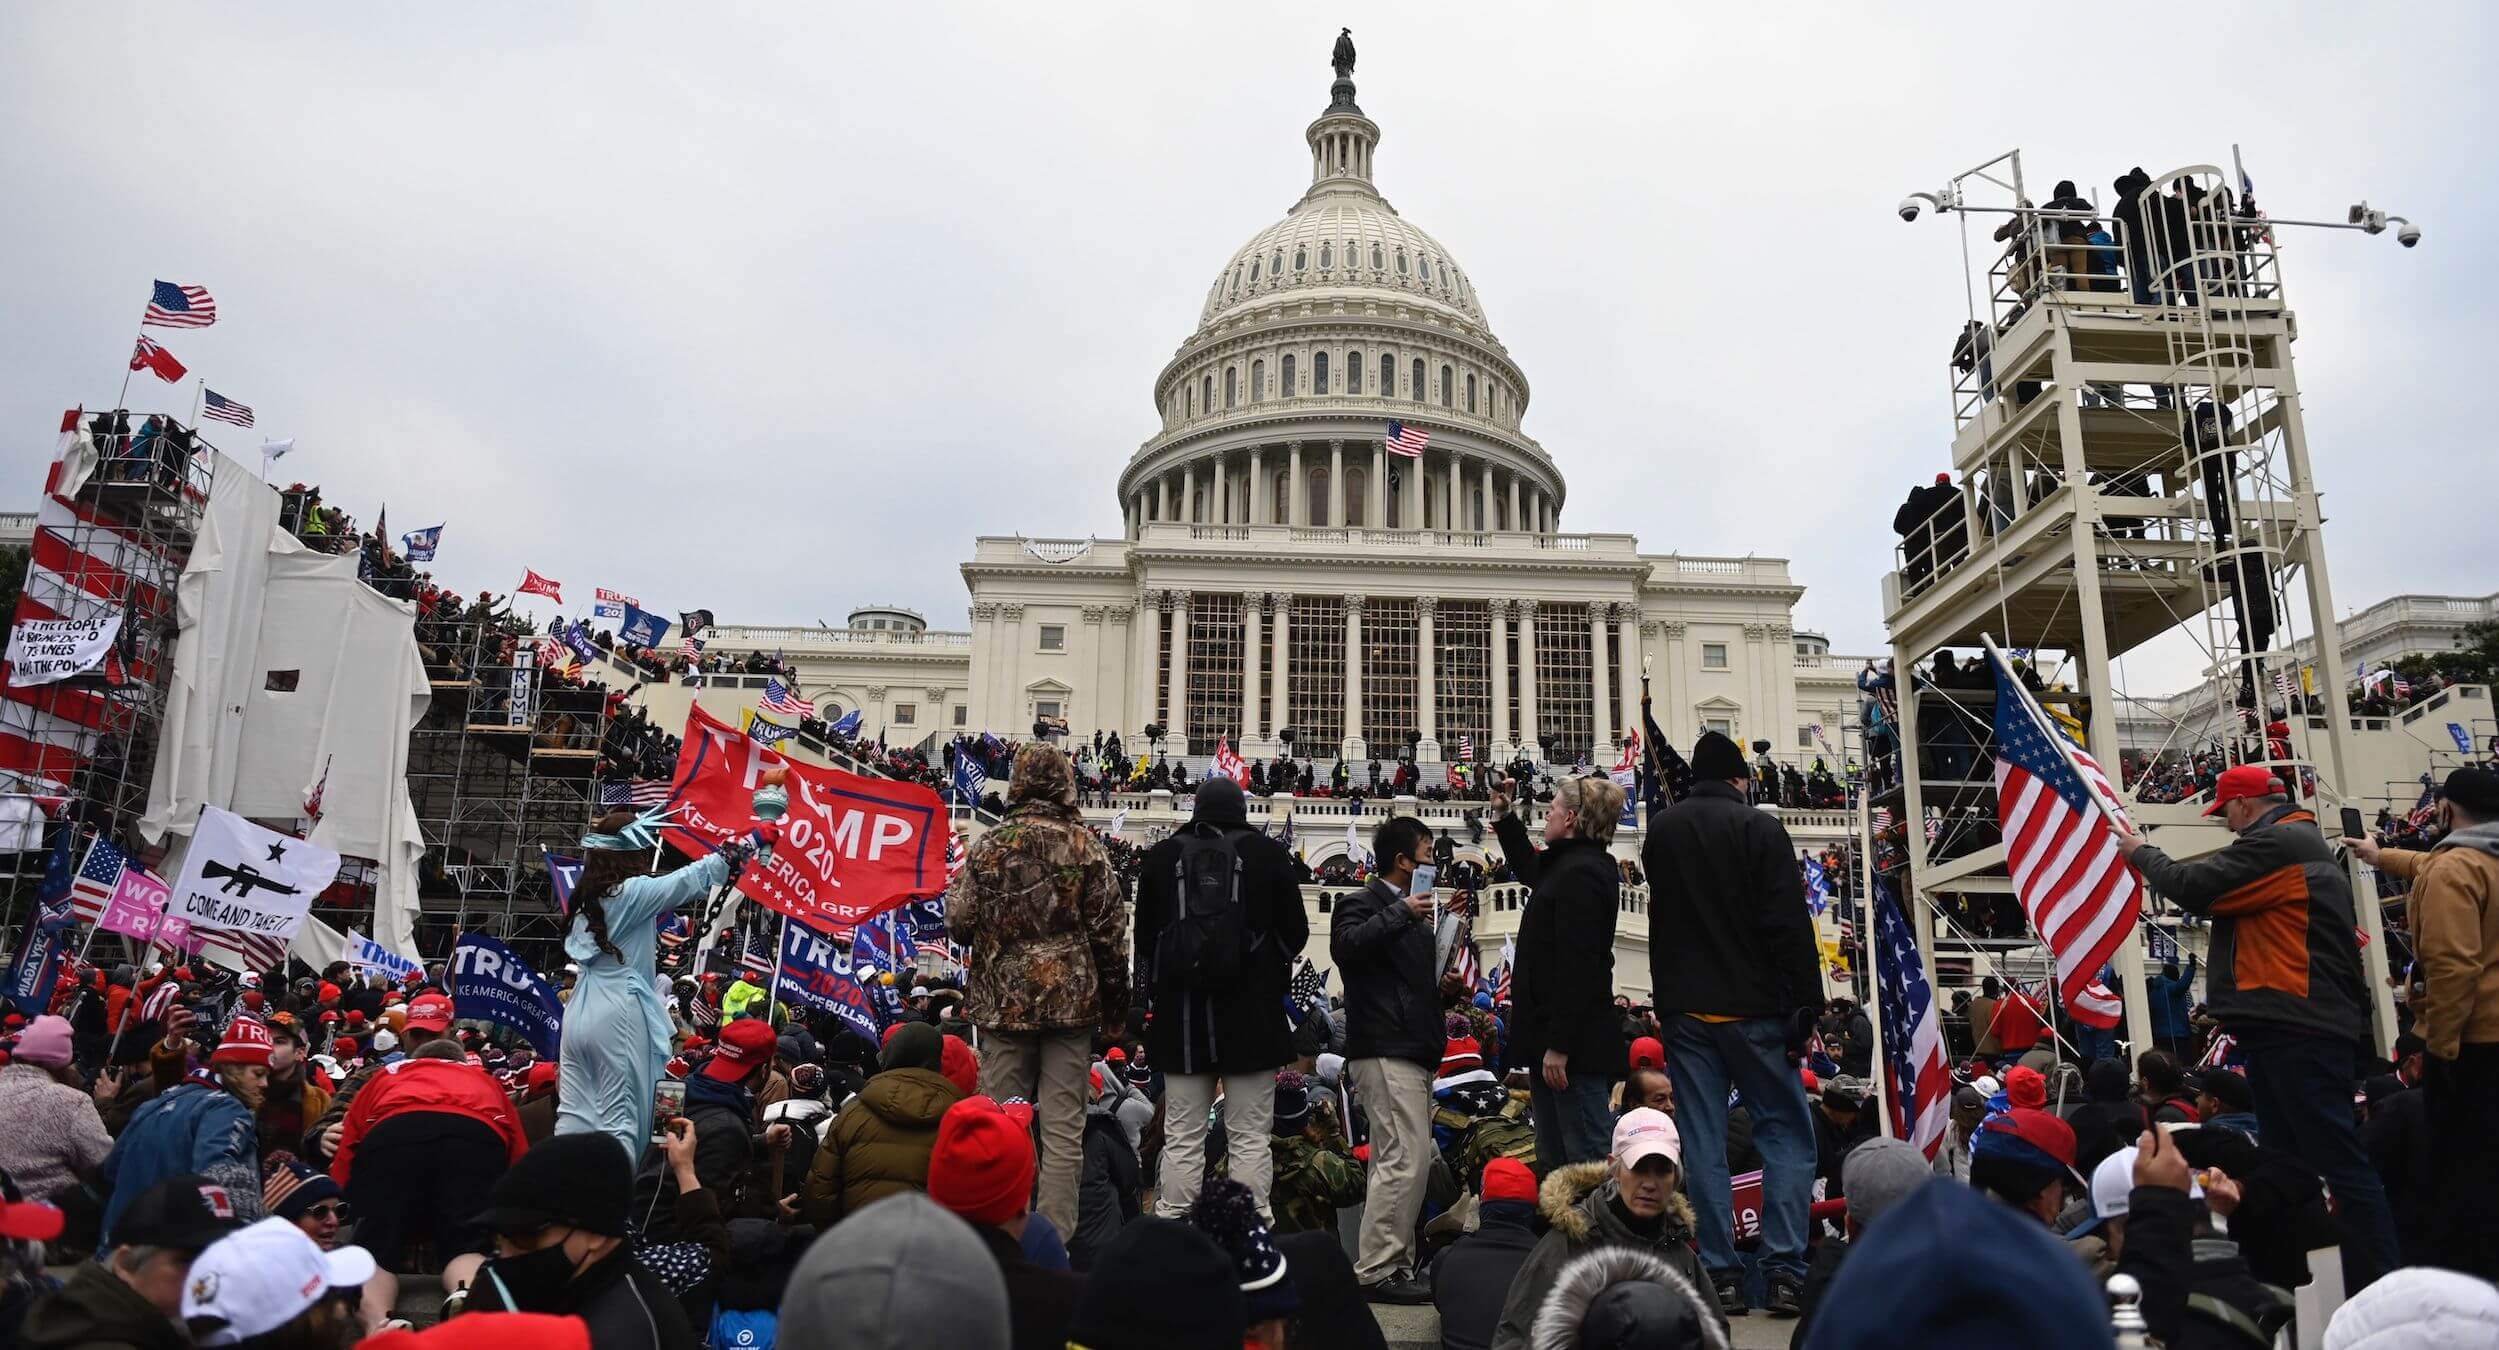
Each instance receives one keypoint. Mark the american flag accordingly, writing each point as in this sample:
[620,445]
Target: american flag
[2282,690]
[955,853]
[91,891]
[1920,1082]
[2098,1006]
[243,951]
[781,698]
[1463,962]
[2079,894]
[1466,748]
[1407,441]
[639,792]
[173,306]
[214,404]
[1509,963]
[1229,764]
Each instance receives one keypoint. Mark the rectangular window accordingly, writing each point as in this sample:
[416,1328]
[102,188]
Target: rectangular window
[1565,689]
[1214,671]
[905,713]
[1713,656]
[1804,738]
[963,714]
[1045,707]
[1720,725]
[1462,675]
[1389,674]
[1315,703]
[1054,637]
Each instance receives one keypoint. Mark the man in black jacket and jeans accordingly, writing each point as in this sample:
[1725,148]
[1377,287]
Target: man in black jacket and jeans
[1564,1029]
[1732,958]
[1239,1033]
[1381,941]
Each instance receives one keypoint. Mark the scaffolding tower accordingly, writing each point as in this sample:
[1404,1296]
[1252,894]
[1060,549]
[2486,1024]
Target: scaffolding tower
[2128,463]
[503,770]
[110,544]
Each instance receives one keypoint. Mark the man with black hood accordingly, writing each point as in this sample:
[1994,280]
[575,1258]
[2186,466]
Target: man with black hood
[1219,921]
[563,1246]
[2108,1118]
[1921,525]
[2128,212]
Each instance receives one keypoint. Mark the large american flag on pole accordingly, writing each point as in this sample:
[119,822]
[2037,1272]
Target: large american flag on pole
[172,306]
[2081,896]
[1406,440]
[1919,1093]
[784,699]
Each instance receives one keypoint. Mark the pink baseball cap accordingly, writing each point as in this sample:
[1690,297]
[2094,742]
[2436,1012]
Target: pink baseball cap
[1645,1133]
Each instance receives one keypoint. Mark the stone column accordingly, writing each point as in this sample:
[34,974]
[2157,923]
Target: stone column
[986,654]
[1084,706]
[1528,728]
[1601,734]
[1449,491]
[1760,707]
[1336,483]
[1296,492]
[1010,641]
[1627,623]
[1671,693]
[1179,696]
[1145,636]
[1499,730]
[1427,684]
[1249,672]
[1353,749]
[1188,493]
[1218,490]
[1259,512]
[1375,496]
[1516,522]
[1162,496]
[1485,522]
[1278,682]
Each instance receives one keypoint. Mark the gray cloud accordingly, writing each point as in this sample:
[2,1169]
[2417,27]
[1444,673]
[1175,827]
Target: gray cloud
[773,309]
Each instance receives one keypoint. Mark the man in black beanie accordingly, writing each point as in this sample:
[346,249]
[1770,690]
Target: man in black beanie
[1161,1285]
[563,1246]
[1732,958]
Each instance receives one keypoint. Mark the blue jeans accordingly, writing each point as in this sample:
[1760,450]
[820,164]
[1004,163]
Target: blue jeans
[2303,1085]
[1572,1125]
[1705,1059]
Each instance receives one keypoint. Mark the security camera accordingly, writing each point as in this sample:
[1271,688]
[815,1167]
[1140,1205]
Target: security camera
[1909,208]
[2408,234]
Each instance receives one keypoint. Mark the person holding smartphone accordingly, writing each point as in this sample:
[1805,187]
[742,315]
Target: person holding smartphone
[1381,939]
[1563,1027]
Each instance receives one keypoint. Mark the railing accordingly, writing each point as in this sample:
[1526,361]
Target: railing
[748,637]
[1364,536]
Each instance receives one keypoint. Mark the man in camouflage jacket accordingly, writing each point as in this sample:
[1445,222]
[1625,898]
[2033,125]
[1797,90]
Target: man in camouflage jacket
[1041,910]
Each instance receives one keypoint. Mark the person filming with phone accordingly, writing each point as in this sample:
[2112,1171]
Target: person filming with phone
[1382,941]
[1563,1027]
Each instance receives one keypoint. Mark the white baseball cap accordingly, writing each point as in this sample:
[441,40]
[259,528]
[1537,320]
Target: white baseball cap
[2113,1187]
[262,1277]
[1645,1133]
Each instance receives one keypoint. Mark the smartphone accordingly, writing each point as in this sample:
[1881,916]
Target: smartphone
[668,1103]
[1424,878]
[2352,826]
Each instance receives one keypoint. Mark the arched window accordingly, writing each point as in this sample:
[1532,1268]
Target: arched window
[1353,372]
[1388,375]
[1415,391]
[1327,256]
[1253,271]
[1447,384]
[1231,380]
[1301,258]
[1189,397]
[1277,267]
[1208,398]
[1319,373]
[1317,512]
[1425,264]
[1401,262]
[1354,488]
[1376,264]
[1236,279]
[1258,380]
[1281,499]
[1286,390]
[1470,393]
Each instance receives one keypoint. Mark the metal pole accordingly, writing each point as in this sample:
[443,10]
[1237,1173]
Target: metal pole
[772,989]
[1880,1063]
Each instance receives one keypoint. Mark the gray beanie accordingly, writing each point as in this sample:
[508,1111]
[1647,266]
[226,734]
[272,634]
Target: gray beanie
[901,1274]
[1879,1174]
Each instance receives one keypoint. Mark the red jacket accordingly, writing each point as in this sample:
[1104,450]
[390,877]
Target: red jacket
[428,1085]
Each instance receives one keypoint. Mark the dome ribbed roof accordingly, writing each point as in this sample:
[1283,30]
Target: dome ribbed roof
[1339,242]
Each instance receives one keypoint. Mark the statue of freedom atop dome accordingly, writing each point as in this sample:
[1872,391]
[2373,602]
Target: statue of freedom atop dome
[1343,57]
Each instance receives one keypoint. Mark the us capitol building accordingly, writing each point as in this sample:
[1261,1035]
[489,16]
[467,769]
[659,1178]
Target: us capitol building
[1279,571]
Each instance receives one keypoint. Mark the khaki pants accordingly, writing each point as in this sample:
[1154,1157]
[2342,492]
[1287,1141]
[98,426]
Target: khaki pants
[1397,1096]
[1249,1115]
[1048,1069]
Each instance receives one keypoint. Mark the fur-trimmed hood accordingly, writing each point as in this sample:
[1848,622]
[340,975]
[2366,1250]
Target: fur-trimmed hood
[1576,1290]
[1572,1200]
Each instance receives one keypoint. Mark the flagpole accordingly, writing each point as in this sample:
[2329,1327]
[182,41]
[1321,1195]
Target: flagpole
[2064,750]
[772,988]
[1880,1063]
[199,396]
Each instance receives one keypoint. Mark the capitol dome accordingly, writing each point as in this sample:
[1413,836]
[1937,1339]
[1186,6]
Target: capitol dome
[1326,330]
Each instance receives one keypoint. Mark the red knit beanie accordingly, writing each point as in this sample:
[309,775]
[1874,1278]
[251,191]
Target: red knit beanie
[982,1166]
[1509,1179]
[961,1066]
[246,1042]
[2025,1087]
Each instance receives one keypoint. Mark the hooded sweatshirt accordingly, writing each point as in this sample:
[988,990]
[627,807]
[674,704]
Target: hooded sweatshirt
[902,1275]
[2455,927]
[1625,1296]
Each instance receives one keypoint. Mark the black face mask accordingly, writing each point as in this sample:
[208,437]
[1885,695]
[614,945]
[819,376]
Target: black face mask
[531,1281]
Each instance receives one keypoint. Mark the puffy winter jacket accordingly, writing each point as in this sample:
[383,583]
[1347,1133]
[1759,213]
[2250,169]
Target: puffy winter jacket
[1576,1201]
[2284,950]
[436,1085]
[879,1144]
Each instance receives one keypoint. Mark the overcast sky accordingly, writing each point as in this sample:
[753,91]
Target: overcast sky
[772,309]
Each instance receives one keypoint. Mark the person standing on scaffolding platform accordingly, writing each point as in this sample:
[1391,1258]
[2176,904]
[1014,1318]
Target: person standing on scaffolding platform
[2285,980]
[616,1028]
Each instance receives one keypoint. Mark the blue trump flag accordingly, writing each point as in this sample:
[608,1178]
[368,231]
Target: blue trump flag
[563,874]
[422,543]
[490,981]
[641,627]
[849,725]
[815,973]
[38,964]
[926,918]
[578,638]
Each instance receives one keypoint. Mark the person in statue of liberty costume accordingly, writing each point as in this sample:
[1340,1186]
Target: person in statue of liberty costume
[616,1027]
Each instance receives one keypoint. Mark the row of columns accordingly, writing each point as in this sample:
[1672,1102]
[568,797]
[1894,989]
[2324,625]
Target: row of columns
[1613,692]
[1245,495]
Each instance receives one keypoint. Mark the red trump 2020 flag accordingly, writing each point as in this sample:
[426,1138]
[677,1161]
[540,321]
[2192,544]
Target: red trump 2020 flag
[534,584]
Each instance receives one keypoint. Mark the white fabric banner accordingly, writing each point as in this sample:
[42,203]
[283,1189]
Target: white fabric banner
[44,650]
[365,952]
[240,876]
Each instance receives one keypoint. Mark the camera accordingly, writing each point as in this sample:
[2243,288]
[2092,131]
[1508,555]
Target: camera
[2408,234]
[1909,208]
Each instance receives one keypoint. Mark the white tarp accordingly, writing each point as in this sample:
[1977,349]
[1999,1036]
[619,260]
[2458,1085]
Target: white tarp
[255,601]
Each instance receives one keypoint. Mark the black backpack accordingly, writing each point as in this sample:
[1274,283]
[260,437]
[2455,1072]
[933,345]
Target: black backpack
[1205,947]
